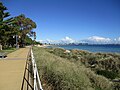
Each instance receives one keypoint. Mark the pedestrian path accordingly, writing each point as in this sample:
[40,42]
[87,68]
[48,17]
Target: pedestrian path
[12,69]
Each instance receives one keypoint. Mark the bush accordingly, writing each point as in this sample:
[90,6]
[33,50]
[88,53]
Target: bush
[107,74]
[99,81]
[61,73]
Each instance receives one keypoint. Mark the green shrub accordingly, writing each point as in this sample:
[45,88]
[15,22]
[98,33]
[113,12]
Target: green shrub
[61,73]
[99,81]
[107,74]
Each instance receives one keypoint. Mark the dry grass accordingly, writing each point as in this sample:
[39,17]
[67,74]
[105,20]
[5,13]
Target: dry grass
[60,73]
[64,74]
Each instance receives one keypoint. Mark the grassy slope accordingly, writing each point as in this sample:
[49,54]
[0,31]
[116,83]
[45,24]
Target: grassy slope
[62,74]
[106,64]
[65,75]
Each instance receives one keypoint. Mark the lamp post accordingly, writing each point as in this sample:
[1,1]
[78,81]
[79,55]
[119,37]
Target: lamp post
[34,34]
[0,47]
[16,39]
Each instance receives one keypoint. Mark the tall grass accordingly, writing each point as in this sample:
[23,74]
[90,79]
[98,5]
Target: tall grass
[105,63]
[88,59]
[61,73]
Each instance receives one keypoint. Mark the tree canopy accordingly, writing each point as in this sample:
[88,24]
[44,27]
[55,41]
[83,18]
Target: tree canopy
[20,27]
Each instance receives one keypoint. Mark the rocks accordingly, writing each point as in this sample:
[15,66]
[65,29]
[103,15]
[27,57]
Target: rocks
[67,51]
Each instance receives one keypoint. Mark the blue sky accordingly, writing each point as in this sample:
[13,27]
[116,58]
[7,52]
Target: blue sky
[78,19]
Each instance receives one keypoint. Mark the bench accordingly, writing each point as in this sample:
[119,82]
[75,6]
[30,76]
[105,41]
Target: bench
[3,54]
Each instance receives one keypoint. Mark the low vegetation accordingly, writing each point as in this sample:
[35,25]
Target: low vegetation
[7,50]
[106,64]
[64,71]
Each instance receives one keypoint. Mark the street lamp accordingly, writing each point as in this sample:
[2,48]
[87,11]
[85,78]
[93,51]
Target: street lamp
[16,36]
[34,34]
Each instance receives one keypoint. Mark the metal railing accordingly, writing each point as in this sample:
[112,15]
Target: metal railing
[37,82]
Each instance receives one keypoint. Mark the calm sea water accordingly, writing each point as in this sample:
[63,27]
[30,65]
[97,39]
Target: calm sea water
[94,48]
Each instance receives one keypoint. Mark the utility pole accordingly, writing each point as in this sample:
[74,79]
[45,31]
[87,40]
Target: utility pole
[16,41]
[0,47]
[34,37]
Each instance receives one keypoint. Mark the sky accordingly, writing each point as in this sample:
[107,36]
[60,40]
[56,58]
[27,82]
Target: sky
[70,19]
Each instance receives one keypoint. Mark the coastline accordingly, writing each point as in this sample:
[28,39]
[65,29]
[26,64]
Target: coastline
[102,68]
[44,46]
[94,48]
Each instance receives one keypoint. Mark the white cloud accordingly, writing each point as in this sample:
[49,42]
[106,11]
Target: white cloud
[90,40]
[64,40]
[101,40]
[119,39]
[46,41]
[116,40]
[67,40]
[97,39]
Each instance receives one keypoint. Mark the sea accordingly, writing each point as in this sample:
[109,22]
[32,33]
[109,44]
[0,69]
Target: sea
[94,48]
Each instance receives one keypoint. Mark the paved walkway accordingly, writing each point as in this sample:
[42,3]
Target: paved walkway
[12,69]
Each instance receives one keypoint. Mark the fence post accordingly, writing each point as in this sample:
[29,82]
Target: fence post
[36,75]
